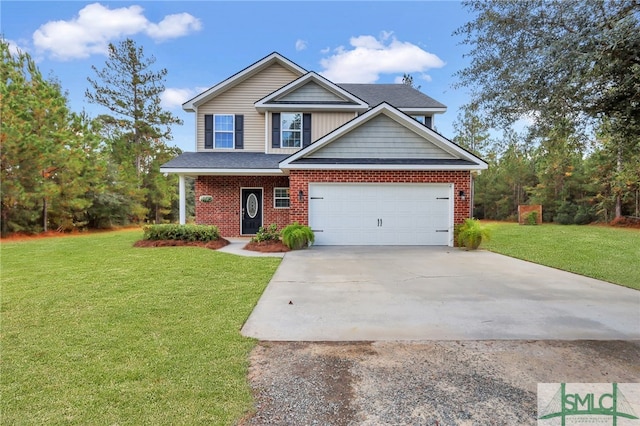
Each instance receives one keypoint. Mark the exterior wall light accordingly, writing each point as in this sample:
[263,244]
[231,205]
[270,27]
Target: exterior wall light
[301,195]
[462,195]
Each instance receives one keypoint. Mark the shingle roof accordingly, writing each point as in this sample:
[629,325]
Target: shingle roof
[398,95]
[225,160]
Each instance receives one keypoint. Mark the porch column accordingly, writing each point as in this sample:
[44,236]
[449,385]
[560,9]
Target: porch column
[182,195]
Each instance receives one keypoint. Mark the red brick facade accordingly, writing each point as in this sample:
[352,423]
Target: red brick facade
[224,211]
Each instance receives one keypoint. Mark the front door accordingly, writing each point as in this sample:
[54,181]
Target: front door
[251,219]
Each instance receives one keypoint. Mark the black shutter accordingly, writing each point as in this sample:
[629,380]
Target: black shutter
[306,130]
[275,130]
[239,132]
[208,131]
[427,122]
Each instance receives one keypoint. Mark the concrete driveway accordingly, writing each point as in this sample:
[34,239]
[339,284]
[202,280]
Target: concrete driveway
[435,293]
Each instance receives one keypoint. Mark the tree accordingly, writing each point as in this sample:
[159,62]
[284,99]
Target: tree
[573,62]
[471,131]
[139,127]
[47,156]
[408,80]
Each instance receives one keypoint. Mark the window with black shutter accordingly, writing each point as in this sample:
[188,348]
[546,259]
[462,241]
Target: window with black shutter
[239,132]
[208,131]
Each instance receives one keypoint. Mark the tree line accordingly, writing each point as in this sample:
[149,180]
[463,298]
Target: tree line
[63,170]
[571,68]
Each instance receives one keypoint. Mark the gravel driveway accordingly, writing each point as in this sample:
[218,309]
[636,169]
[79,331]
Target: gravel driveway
[424,383]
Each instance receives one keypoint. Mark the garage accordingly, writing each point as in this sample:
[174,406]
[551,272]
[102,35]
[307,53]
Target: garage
[381,213]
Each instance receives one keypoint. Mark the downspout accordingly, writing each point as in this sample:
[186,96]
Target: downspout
[472,194]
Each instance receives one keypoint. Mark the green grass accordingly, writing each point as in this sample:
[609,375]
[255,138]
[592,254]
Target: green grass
[606,253]
[95,331]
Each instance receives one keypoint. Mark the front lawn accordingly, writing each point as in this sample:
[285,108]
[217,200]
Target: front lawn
[95,331]
[602,252]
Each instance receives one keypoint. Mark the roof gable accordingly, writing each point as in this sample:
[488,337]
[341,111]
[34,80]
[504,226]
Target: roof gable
[381,137]
[311,92]
[384,138]
[239,77]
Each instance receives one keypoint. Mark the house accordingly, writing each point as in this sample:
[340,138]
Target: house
[361,164]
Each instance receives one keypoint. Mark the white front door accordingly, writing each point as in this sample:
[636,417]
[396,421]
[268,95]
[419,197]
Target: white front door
[381,214]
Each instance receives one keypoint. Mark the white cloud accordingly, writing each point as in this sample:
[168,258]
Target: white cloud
[300,45]
[174,97]
[325,50]
[96,26]
[14,47]
[370,57]
[173,26]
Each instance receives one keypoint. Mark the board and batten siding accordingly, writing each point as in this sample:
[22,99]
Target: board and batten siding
[311,91]
[381,137]
[321,124]
[240,99]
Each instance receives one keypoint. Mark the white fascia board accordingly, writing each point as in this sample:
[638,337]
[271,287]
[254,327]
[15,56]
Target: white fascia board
[263,104]
[238,77]
[418,167]
[414,111]
[400,117]
[311,107]
[223,172]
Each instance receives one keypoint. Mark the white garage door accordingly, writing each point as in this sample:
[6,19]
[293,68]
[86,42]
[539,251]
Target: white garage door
[381,214]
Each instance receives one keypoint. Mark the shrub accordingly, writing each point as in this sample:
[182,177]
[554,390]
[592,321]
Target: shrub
[296,236]
[584,216]
[471,233]
[566,213]
[202,233]
[267,234]
[531,218]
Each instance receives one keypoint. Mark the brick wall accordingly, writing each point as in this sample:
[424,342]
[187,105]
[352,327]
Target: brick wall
[224,211]
[299,180]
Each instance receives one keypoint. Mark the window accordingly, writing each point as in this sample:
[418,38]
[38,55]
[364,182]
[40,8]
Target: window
[223,131]
[281,198]
[291,128]
[424,119]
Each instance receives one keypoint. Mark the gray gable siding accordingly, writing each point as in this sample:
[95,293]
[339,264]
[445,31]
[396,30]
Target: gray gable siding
[311,92]
[381,137]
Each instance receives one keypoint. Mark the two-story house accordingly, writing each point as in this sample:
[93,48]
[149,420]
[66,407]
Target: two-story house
[359,163]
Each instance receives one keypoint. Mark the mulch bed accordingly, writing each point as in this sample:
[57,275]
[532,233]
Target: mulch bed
[213,245]
[267,247]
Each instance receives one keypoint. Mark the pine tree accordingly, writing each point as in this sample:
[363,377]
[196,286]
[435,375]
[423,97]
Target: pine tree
[138,127]
[47,156]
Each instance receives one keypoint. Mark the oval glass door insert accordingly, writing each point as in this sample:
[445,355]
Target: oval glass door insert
[252,205]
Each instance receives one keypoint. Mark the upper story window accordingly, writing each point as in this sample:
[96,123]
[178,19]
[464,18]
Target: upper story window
[291,128]
[426,120]
[223,131]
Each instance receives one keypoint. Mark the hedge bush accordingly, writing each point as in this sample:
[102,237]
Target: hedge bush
[296,236]
[202,233]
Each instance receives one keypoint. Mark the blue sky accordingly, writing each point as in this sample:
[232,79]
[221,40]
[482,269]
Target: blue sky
[201,43]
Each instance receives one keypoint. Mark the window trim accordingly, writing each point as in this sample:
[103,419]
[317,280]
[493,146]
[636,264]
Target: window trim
[299,131]
[276,198]
[232,131]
